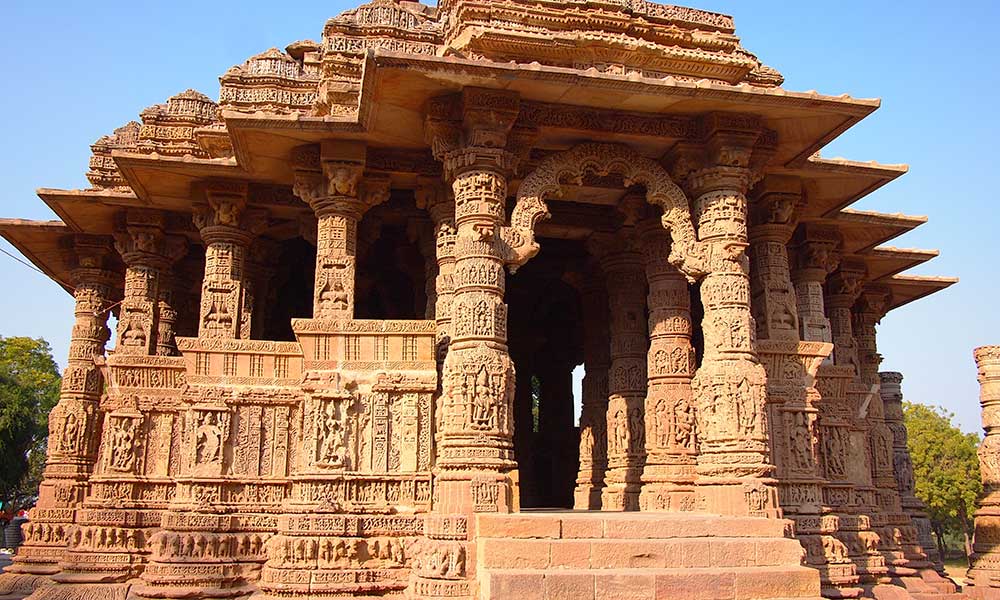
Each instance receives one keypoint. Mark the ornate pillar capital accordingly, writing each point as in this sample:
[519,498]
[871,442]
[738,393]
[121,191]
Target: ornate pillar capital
[141,240]
[474,131]
[845,284]
[91,260]
[814,250]
[222,215]
[775,203]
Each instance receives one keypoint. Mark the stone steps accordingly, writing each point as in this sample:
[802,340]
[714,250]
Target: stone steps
[600,553]
[639,556]
[740,583]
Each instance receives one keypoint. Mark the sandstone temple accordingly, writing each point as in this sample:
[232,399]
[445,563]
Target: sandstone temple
[349,296]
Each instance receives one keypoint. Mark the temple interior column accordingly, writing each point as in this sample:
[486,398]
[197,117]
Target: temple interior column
[845,437]
[626,430]
[890,384]
[75,421]
[668,474]
[983,579]
[192,527]
[593,415]
[438,201]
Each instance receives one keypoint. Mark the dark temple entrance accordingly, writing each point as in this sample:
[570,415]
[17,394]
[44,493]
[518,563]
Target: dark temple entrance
[545,332]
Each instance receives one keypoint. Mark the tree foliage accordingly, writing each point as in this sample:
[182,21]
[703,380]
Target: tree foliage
[945,469]
[29,388]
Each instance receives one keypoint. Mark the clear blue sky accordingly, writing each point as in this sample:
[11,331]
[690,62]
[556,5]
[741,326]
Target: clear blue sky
[76,70]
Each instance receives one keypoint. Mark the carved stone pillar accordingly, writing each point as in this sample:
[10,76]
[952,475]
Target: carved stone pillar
[331,188]
[626,429]
[438,201]
[75,421]
[792,398]
[815,251]
[471,134]
[734,474]
[227,227]
[844,437]
[148,253]
[593,415]
[668,474]
[983,579]
[898,535]
[892,400]
[772,297]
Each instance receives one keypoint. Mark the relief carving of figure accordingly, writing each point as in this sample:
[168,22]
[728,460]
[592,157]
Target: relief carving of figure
[70,438]
[123,444]
[331,434]
[208,439]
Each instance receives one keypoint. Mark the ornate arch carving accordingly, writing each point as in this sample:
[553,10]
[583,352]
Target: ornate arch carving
[689,255]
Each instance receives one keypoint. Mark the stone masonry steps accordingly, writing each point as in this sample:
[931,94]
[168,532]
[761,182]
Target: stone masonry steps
[643,556]
[738,583]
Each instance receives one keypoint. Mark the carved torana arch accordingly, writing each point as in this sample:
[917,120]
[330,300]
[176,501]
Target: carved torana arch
[688,254]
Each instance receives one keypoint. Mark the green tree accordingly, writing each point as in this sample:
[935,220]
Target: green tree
[29,388]
[945,469]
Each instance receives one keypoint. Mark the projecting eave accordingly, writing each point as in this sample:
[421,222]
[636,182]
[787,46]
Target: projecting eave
[91,211]
[886,262]
[832,184]
[39,242]
[907,288]
[397,93]
[164,182]
[863,230]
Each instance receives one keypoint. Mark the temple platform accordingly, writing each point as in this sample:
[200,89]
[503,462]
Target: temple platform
[603,556]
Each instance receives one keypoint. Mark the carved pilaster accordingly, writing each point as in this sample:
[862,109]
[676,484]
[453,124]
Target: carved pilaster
[593,415]
[470,133]
[892,400]
[148,253]
[329,179]
[772,297]
[622,265]
[227,227]
[983,578]
[734,473]
[899,536]
[75,421]
[434,197]
[814,249]
[668,474]
[842,289]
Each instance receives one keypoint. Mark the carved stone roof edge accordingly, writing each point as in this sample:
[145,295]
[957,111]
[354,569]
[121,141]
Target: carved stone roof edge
[767,95]
[844,165]
[880,218]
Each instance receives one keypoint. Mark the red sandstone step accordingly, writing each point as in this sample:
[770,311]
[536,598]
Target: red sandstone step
[589,525]
[652,584]
[601,553]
